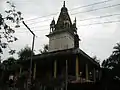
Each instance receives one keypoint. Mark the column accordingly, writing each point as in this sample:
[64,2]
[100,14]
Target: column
[55,71]
[86,71]
[99,74]
[44,87]
[77,68]
[34,73]
[55,68]
[94,75]
[20,70]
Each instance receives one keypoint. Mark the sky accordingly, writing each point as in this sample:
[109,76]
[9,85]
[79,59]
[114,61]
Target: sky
[96,39]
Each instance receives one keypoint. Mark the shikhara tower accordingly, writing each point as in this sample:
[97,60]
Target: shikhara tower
[63,34]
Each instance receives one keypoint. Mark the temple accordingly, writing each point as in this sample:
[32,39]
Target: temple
[64,62]
[63,35]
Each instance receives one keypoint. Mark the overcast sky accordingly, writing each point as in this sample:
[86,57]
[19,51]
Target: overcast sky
[96,39]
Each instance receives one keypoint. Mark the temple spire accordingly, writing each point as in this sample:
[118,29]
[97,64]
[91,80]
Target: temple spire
[75,20]
[64,4]
[53,18]
[64,20]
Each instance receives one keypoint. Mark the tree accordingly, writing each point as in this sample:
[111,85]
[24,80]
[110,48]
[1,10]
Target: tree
[104,63]
[113,62]
[25,53]
[110,69]
[8,65]
[45,49]
[116,52]
[114,58]
[96,59]
[6,31]
[117,49]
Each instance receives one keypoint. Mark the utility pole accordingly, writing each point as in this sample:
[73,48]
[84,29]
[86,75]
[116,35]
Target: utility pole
[31,58]
[66,81]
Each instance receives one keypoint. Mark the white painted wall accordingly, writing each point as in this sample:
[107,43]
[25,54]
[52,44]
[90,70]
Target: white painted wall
[61,41]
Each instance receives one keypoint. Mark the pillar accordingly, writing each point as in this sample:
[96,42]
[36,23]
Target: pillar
[55,68]
[61,88]
[86,67]
[94,75]
[99,74]
[34,73]
[20,70]
[44,88]
[77,68]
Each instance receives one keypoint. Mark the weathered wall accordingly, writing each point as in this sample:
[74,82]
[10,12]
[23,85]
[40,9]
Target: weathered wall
[61,41]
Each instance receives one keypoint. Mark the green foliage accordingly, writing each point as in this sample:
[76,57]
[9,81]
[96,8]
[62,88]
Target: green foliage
[6,32]
[113,62]
[25,53]
[114,58]
[117,49]
[10,64]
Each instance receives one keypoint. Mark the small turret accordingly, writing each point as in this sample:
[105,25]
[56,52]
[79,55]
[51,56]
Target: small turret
[52,26]
[74,26]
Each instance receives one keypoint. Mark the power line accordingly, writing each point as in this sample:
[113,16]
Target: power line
[42,16]
[106,22]
[72,9]
[91,4]
[35,30]
[40,21]
[37,26]
[97,17]
[110,6]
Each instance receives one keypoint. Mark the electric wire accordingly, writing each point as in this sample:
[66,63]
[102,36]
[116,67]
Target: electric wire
[97,17]
[105,22]
[92,10]
[72,9]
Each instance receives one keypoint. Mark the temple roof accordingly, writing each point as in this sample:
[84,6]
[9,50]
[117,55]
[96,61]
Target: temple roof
[65,52]
[64,16]
[62,53]
[64,23]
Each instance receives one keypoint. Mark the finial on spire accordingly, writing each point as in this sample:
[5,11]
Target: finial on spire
[64,4]
[75,19]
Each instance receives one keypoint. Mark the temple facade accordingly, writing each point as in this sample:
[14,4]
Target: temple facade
[64,62]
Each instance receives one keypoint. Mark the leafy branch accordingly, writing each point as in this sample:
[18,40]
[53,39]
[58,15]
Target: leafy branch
[6,31]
